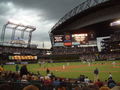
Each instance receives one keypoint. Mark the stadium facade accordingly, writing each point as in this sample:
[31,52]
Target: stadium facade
[85,23]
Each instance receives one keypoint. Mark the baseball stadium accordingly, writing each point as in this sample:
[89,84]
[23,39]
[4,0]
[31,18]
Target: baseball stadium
[85,52]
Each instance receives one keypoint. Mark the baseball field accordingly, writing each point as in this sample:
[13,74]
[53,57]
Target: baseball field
[75,69]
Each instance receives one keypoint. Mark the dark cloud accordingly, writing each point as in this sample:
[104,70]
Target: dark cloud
[53,9]
[49,11]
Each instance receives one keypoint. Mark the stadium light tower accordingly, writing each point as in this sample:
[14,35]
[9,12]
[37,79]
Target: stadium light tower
[14,27]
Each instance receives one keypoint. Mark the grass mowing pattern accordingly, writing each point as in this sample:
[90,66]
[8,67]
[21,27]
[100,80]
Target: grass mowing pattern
[104,67]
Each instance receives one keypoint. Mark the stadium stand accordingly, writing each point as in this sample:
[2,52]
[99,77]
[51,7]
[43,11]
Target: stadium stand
[74,50]
[15,81]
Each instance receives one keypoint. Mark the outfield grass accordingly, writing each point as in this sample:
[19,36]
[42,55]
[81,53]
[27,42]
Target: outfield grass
[76,68]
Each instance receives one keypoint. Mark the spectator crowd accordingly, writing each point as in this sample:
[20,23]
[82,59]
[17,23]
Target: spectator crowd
[25,80]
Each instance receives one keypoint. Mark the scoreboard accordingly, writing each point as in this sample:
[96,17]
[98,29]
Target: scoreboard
[80,38]
[69,39]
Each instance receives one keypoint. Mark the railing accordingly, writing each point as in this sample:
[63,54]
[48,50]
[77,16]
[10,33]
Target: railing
[81,7]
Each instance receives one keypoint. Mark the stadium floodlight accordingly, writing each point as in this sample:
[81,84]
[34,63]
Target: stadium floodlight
[115,23]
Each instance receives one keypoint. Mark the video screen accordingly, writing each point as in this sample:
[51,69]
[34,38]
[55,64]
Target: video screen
[80,38]
[58,38]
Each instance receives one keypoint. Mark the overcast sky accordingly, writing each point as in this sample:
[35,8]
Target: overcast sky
[42,14]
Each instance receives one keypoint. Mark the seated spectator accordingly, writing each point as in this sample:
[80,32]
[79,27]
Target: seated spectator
[47,83]
[110,75]
[98,83]
[30,87]
[111,83]
[24,78]
[49,74]
[77,88]
[86,80]
[5,87]
[116,88]
[67,83]
[52,75]
[118,84]
[89,88]
[23,70]
[56,82]
[105,83]
[33,77]
[94,87]
[104,88]
[82,77]
[91,82]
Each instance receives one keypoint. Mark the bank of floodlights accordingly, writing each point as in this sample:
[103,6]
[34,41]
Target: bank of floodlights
[115,23]
[17,27]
